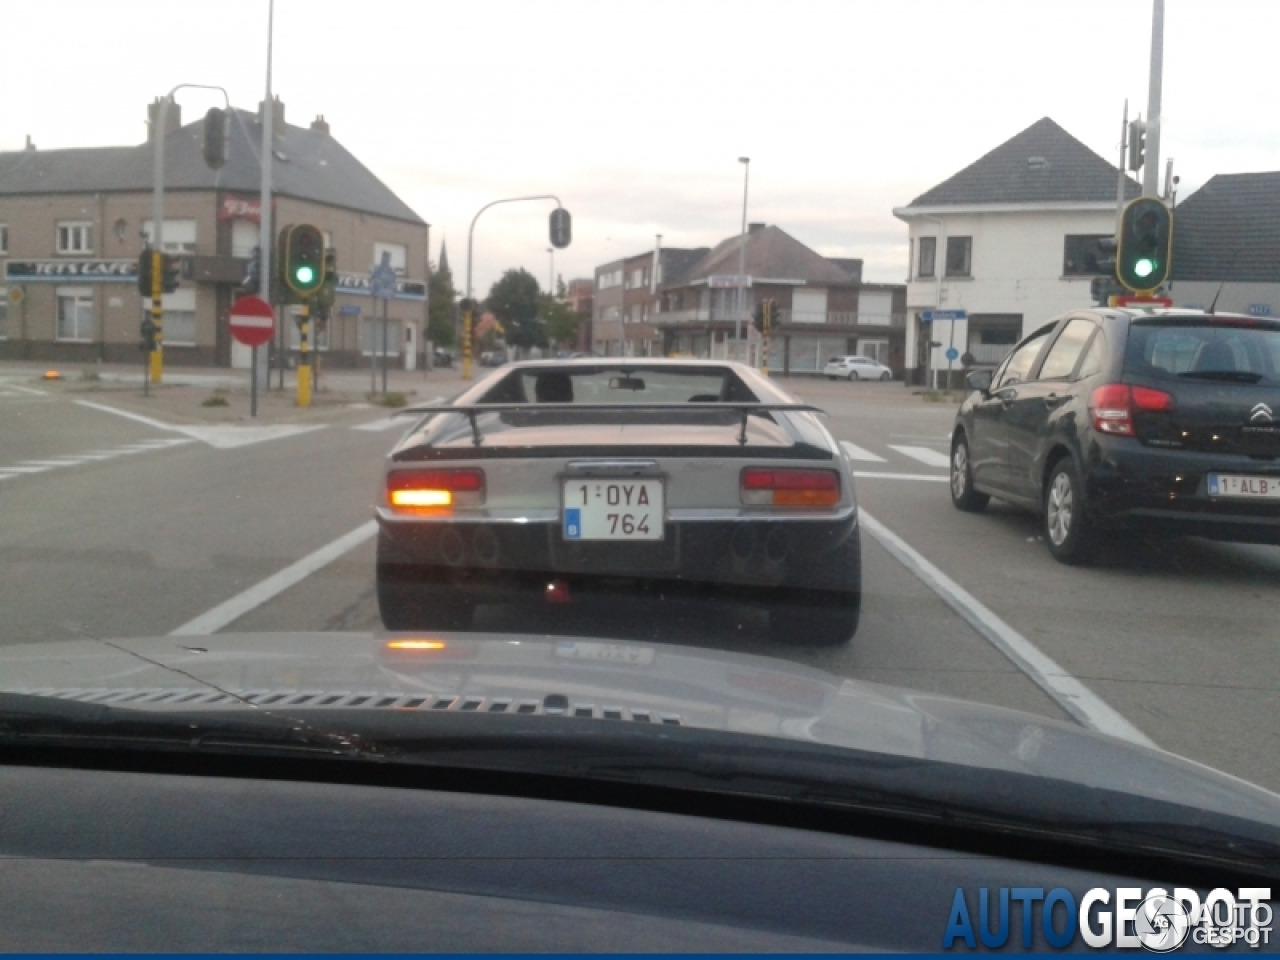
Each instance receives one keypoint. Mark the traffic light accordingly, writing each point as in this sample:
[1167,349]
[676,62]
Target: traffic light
[322,299]
[757,316]
[144,272]
[1137,144]
[215,138]
[148,344]
[561,228]
[1146,240]
[302,262]
[172,273]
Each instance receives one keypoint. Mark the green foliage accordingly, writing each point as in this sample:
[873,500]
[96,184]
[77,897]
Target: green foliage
[560,323]
[440,312]
[217,400]
[392,399]
[514,300]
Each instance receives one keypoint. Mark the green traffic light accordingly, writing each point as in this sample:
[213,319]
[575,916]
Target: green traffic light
[1144,267]
[304,275]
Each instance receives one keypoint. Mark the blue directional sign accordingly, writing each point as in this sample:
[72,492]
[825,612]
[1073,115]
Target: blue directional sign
[931,315]
[953,353]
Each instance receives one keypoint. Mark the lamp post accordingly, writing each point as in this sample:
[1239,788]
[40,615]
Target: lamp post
[467,303]
[551,276]
[742,253]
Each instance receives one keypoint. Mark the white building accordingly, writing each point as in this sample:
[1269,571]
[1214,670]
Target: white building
[1010,240]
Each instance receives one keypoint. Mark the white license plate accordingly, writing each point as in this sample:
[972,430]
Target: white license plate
[608,652]
[1234,485]
[604,509]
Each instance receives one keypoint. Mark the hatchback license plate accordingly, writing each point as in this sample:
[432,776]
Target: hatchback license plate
[598,509]
[1235,485]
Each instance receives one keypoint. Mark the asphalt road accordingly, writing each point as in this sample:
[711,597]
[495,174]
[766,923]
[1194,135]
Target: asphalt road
[119,518]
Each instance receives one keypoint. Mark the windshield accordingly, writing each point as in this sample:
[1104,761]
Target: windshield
[727,279]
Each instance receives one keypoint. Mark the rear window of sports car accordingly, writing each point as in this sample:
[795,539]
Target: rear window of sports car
[619,385]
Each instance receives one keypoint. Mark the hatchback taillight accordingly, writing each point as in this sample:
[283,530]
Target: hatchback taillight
[1111,407]
[786,487]
[412,491]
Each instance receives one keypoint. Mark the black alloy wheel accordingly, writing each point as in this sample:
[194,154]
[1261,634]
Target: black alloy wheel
[1068,530]
[963,496]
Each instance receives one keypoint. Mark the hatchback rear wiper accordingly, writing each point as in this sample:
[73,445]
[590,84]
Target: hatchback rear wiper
[1231,376]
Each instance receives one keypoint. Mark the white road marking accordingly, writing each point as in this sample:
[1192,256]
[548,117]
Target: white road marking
[22,469]
[930,458]
[222,436]
[214,620]
[880,475]
[386,423]
[79,459]
[1068,692]
[30,390]
[857,453]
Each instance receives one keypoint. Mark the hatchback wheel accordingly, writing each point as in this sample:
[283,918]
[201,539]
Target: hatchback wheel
[853,376]
[962,493]
[1068,531]
[885,375]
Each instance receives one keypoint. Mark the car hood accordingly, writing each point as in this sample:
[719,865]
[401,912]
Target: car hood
[658,686]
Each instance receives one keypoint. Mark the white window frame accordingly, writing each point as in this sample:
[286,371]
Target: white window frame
[399,255]
[180,236]
[79,294]
[78,234]
[180,301]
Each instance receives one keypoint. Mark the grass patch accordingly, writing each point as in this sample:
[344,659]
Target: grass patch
[392,399]
[217,400]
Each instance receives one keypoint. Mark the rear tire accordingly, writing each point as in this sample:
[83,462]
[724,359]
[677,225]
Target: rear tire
[1068,531]
[408,604]
[885,375]
[853,376]
[963,496]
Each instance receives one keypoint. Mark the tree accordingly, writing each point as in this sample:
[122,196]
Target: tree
[561,323]
[440,318]
[514,300]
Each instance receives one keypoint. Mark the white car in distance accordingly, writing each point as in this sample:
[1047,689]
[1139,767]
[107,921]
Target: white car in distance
[856,368]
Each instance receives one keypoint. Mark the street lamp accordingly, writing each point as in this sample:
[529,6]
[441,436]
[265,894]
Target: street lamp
[742,251]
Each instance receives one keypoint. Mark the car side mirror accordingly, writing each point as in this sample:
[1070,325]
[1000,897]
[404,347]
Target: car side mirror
[979,380]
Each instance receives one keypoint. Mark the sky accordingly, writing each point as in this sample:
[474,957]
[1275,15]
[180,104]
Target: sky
[635,114]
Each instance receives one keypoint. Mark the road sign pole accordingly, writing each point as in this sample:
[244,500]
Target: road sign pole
[304,358]
[253,384]
[384,347]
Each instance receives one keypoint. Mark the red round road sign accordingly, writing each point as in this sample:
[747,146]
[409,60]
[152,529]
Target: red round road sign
[252,321]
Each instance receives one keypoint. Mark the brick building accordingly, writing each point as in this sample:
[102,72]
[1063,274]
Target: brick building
[629,298]
[73,223]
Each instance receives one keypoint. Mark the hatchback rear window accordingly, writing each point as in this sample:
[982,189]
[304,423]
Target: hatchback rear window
[1202,349]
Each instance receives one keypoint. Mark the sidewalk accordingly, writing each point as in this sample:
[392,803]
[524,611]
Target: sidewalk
[193,395]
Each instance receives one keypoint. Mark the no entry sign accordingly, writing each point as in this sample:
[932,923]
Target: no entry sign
[252,321]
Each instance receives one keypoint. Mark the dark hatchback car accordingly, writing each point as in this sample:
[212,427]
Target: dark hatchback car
[1105,421]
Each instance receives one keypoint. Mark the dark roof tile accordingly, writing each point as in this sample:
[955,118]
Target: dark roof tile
[1229,229]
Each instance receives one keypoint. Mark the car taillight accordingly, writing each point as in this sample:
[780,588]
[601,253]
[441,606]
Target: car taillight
[431,490]
[1111,406]
[783,487]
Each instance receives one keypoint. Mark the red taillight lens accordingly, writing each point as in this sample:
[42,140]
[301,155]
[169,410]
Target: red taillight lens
[790,488]
[1111,407]
[431,490]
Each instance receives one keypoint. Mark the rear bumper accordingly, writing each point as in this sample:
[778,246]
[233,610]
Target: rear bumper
[733,558]
[1168,490]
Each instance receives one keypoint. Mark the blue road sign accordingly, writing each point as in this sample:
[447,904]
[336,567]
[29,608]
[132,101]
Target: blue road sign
[952,353]
[382,282]
[931,315]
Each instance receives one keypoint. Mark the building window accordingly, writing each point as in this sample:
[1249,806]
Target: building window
[636,279]
[612,278]
[1081,253]
[179,316]
[399,256]
[928,252]
[179,235]
[75,237]
[4,238]
[75,314]
[959,256]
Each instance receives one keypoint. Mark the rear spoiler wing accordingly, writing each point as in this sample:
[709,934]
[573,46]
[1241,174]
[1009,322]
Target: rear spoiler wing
[471,411]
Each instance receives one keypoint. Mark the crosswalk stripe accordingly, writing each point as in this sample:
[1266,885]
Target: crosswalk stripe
[931,458]
[857,453]
[386,423]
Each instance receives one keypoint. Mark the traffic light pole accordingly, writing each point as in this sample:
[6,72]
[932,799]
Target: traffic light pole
[466,326]
[304,358]
[1151,165]
[156,367]
[157,214]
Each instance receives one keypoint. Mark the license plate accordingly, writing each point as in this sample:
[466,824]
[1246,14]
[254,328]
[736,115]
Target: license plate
[607,652]
[602,509]
[1234,485]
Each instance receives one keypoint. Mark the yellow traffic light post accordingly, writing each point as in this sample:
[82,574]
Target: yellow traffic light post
[302,266]
[157,316]
[304,358]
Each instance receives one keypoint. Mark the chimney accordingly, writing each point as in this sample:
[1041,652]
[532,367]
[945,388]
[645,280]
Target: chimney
[172,118]
[755,227]
[277,116]
[320,125]
[30,145]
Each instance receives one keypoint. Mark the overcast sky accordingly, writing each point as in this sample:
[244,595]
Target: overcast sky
[635,114]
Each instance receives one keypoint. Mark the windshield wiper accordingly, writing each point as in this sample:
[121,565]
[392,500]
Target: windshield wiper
[1229,376]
